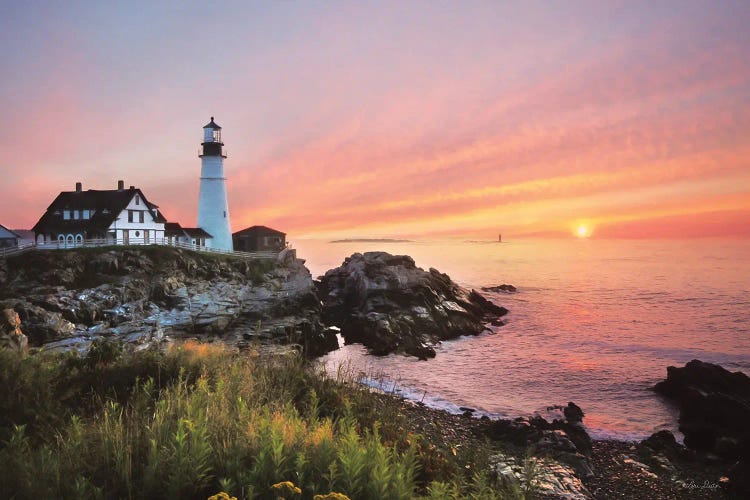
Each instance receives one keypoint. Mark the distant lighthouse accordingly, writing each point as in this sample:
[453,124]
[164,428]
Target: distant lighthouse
[213,208]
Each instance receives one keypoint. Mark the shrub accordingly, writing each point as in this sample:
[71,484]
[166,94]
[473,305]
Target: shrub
[199,419]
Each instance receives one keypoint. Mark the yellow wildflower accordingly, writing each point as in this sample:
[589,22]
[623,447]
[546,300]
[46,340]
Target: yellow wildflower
[285,488]
[221,496]
[331,496]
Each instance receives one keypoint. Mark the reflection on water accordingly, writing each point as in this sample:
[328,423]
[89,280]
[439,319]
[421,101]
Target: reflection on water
[595,322]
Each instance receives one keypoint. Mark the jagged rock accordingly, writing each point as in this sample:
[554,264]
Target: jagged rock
[388,304]
[11,336]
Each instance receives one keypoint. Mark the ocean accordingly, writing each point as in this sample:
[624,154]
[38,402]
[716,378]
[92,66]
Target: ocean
[595,322]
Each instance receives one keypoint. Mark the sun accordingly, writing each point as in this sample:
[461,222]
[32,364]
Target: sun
[583,231]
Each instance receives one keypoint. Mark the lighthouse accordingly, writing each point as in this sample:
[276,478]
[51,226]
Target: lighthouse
[213,208]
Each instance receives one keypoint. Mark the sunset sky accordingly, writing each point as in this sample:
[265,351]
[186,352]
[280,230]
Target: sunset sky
[389,119]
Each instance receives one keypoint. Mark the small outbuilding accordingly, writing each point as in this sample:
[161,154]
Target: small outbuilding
[8,238]
[259,239]
[175,233]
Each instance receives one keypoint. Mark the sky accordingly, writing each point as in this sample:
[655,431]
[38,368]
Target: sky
[417,119]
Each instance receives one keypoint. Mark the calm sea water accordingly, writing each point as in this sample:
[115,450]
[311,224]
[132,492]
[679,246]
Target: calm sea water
[594,322]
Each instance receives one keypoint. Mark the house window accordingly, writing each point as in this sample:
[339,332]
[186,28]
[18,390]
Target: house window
[137,234]
[79,238]
[140,216]
[137,200]
[66,214]
[130,215]
[76,214]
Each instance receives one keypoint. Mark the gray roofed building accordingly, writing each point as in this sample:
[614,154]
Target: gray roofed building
[8,238]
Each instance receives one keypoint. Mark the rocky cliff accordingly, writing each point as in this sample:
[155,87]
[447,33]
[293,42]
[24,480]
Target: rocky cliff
[65,299]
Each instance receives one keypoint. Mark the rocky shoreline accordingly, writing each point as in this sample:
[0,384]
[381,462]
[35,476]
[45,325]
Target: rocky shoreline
[141,296]
[151,296]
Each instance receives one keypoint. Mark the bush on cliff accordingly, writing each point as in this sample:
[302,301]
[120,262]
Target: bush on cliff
[199,420]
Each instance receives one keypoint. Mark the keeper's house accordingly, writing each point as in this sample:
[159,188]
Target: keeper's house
[259,239]
[119,216]
[8,238]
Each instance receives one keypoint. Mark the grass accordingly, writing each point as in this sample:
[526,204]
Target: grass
[199,421]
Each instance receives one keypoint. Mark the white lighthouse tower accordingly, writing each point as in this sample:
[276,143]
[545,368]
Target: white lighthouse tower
[213,208]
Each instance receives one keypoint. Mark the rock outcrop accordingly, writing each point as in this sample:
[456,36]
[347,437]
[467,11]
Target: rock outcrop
[11,336]
[564,440]
[388,304]
[714,406]
[714,414]
[67,298]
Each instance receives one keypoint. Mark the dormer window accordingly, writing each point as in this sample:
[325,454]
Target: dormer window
[66,214]
[76,214]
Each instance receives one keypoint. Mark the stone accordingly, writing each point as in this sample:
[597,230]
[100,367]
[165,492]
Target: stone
[11,336]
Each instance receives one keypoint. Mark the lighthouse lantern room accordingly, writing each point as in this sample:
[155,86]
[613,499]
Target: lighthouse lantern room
[213,207]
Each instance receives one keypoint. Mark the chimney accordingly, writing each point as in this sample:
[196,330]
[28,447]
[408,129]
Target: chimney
[79,187]
[132,188]
[120,185]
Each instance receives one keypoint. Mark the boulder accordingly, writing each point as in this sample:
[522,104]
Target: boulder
[11,336]
[714,404]
[714,415]
[389,304]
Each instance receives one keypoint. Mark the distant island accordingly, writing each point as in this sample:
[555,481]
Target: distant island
[371,240]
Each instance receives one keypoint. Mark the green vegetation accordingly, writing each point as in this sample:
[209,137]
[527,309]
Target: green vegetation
[198,421]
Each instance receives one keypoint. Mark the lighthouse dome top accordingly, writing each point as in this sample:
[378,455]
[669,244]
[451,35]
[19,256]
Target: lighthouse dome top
[212,125]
